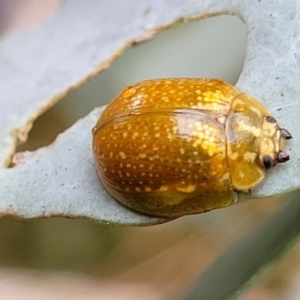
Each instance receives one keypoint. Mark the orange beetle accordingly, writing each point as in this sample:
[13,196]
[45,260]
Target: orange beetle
[171,147]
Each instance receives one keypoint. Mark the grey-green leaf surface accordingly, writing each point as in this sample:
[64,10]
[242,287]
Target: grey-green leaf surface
[40,65]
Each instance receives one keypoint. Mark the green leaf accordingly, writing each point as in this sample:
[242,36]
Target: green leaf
[40,66]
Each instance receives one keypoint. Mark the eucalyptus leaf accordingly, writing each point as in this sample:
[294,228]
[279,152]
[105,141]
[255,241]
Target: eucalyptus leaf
[40,66]
[53,181]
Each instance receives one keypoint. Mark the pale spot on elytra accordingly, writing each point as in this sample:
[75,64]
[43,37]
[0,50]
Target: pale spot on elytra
[187,189]
[122,155]
[163,188]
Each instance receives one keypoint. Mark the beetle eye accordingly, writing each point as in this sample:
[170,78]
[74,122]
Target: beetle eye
[282,157]
[268,162]
[271,119]
[285,134]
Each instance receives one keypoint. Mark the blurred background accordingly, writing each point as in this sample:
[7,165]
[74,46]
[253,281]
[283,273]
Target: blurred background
[80,259]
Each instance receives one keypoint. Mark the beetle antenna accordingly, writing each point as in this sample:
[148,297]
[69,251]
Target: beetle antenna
[285,134]
[282,157]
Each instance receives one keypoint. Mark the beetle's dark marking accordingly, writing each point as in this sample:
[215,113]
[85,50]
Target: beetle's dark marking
[282,157]
[271,119]
[285,134]
[268,162]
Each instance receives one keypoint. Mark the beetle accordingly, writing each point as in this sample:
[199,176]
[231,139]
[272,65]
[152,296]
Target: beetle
[179,146]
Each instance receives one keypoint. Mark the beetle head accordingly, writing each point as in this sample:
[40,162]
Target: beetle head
[273,143]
